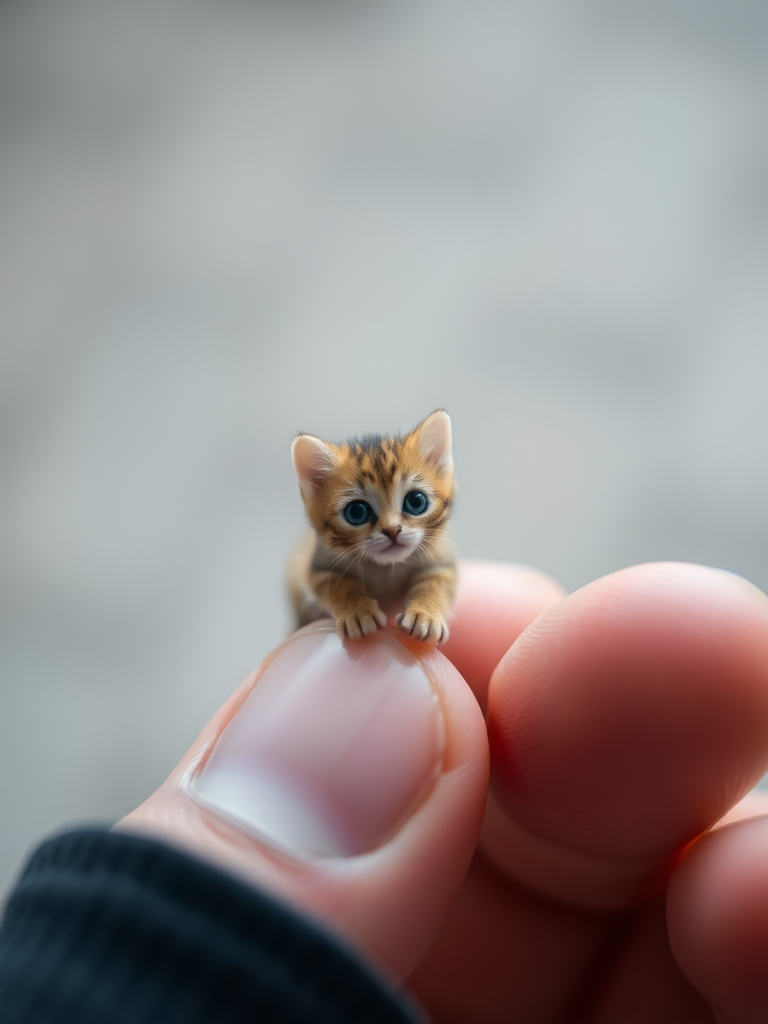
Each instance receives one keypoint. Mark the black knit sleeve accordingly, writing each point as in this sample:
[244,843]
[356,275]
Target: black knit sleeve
[105,927]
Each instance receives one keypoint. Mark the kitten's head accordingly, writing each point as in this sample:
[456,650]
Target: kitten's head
[380,498]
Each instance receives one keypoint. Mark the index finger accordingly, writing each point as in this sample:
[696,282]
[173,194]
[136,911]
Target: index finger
[625,722]
[621,722]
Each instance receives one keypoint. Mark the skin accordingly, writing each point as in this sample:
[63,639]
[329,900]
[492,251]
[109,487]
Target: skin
[619,873]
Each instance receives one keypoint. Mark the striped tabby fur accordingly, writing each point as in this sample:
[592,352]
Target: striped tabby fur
[378,508]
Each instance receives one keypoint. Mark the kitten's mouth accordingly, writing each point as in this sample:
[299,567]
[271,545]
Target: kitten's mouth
[395,551]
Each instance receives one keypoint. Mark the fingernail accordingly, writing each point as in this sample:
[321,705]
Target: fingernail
[332,749]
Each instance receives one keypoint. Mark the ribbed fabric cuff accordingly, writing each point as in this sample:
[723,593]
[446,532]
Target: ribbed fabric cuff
[110,927]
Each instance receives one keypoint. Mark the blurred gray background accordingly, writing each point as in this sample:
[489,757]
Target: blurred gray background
[221,223]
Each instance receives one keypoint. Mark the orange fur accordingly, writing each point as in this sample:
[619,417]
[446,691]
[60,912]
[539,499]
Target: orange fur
[378,508]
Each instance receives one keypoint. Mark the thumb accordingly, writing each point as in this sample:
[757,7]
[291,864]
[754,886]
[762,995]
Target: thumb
[347,780]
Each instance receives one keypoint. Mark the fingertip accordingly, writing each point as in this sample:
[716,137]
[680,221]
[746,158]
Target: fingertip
[495,602]
[717,916]
[628,718]
[349,779]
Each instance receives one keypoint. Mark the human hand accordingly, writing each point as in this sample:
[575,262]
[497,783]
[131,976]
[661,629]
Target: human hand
[627,721]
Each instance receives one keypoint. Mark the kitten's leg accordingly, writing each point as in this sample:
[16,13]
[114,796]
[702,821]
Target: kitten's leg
[428,603]
[356,614]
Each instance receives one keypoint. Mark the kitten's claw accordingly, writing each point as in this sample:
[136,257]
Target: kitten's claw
[361,622]
[431,629]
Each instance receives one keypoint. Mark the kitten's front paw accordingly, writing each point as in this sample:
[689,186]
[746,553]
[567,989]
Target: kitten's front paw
[431,627]
[363,619]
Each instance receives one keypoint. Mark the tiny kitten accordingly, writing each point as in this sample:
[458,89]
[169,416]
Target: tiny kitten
[378,508]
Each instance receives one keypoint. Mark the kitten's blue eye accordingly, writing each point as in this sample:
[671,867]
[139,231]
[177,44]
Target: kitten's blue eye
[357,512]
[415,503]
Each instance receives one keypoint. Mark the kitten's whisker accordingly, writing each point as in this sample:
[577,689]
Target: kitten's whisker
[336,560]
[361,560]
[460,541]
[356,555]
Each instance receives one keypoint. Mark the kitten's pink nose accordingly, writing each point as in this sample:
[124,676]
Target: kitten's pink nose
[392,532]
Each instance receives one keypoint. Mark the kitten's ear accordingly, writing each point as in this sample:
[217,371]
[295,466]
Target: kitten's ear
[433,436]
[313,460]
